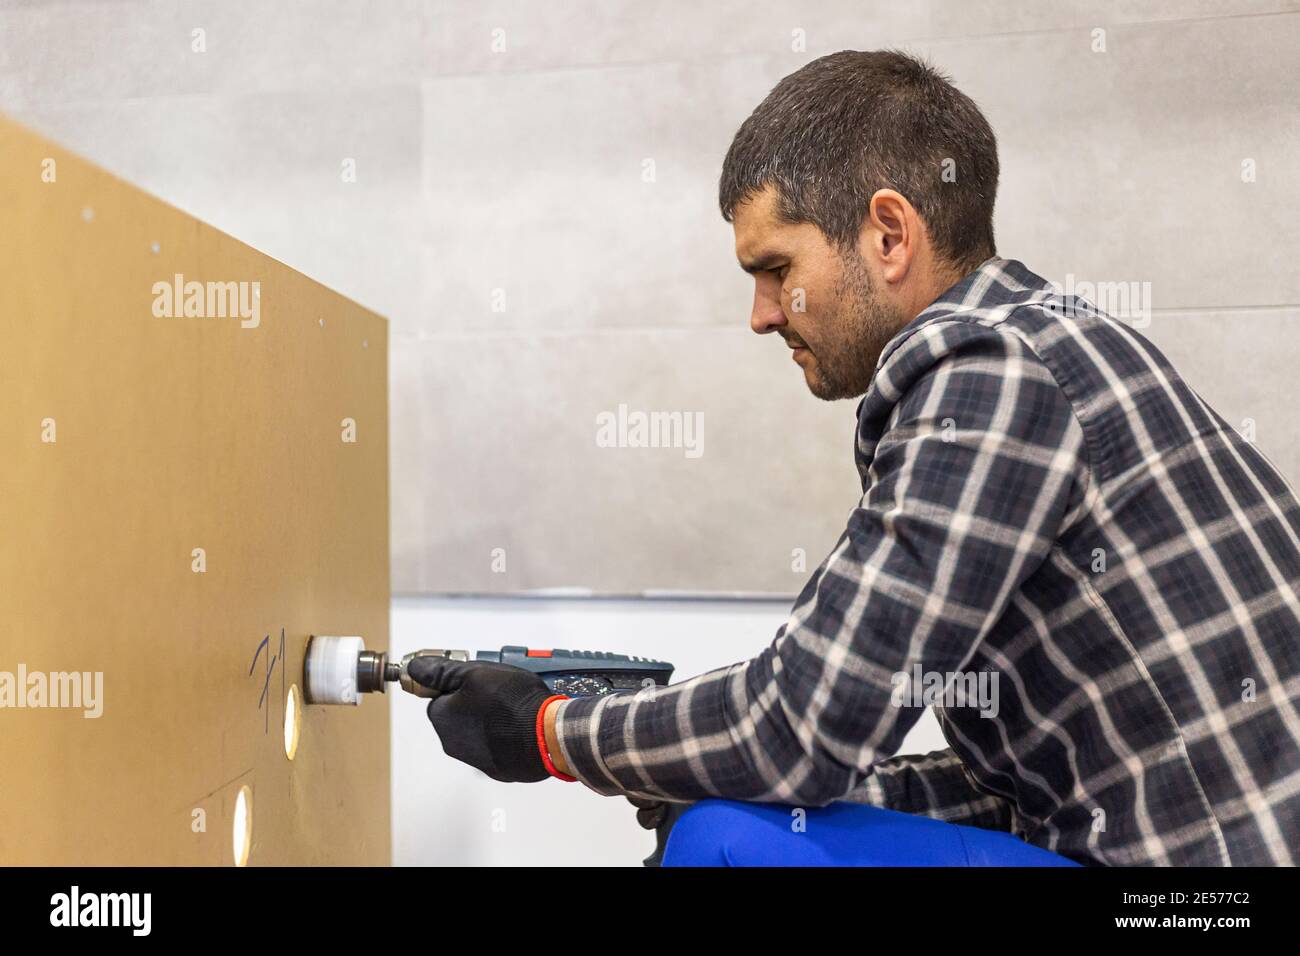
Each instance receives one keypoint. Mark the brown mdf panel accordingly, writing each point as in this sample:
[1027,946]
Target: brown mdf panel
[131,439]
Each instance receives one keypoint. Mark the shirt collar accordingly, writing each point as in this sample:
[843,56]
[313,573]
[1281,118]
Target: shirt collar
[992,282]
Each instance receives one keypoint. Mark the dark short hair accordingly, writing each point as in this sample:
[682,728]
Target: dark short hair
[845,125]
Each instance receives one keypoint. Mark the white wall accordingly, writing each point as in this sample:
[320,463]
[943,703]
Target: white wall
[444,811]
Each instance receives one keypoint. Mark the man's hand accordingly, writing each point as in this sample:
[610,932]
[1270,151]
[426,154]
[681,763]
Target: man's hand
[485,713]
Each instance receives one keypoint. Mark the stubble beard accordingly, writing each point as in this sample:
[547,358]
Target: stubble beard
[845,362]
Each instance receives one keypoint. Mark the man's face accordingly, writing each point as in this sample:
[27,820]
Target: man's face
[824,305]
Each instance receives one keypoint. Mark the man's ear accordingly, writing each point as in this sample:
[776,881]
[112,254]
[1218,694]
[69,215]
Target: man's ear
[890,234]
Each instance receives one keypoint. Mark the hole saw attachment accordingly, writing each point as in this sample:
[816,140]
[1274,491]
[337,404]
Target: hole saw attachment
[338,670]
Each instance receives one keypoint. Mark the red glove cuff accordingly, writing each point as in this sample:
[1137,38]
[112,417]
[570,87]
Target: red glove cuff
[541,739]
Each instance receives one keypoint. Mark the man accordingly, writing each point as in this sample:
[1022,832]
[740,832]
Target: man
[1045,502]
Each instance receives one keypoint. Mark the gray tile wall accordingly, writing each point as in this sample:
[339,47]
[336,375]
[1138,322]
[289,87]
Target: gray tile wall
[535,276]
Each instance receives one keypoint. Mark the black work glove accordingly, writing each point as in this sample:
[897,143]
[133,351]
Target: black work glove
[485,714]
[649,812]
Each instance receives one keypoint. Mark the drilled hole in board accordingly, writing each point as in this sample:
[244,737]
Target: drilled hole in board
[242,829]
[292,721]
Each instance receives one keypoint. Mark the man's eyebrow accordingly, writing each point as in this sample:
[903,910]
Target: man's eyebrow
[762,263]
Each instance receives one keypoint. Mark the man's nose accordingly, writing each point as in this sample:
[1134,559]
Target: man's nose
[767,315]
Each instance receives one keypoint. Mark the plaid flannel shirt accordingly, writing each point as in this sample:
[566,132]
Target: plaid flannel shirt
[1045,501]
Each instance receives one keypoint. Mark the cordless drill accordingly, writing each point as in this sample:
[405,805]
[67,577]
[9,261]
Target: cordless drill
[338,670]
